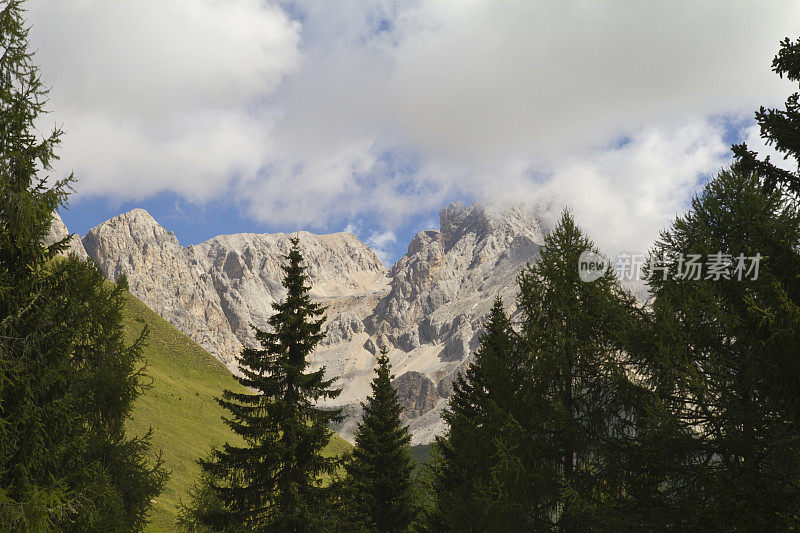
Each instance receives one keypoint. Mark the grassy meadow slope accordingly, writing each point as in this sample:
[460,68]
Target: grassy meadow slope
[180,405]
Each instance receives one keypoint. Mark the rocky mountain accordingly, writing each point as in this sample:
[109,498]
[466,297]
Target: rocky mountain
[59,232]
[427,309]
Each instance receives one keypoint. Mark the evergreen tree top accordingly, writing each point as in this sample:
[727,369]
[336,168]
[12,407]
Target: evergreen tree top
[555,276]
[26,202]
[274,482]
[779,128]
[383,371]
[563,246]
[378,485]
[295,280]
[383,404]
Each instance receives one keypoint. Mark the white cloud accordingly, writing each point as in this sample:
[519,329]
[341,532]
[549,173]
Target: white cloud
[494,100]
[163,94]
[381,242]
[623,196]
[543,79]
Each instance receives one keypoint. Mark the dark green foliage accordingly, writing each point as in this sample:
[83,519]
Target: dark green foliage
[205,506]
[679,416]
[67,380]
[274,483]
[421,454]
[542,425]
[379,484]
[580,402]
[427,482]
[779,128]
[483,403]
[725,364]
[27,202]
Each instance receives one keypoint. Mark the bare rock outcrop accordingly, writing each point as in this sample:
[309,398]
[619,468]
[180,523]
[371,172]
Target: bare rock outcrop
[427,310]
[165,276]
[59,232]
[417,394]
[245,272]
[442,289]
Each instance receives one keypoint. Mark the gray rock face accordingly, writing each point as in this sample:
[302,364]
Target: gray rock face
[442,289]
[59,232]
[165,276]
[417,394]
[214,291]
[428,309]
[245,273]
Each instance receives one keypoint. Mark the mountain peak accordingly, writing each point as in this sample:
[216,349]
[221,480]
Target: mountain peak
[137,217]
[456,220]
[58,232]
[132,230]
[136,224]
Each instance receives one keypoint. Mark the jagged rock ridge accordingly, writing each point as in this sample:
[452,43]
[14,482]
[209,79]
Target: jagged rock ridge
[59,232]
[427,309]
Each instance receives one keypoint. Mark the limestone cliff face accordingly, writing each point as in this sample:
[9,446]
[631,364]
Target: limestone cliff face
[440,293]
[59,232]
[442,288]
[417,394]
[245,273]
[428,309]
[165,276]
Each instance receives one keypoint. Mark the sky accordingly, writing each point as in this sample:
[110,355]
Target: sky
[223,116]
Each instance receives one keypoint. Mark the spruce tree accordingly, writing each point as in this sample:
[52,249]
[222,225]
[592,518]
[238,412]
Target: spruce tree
[484,399]
[67,379]
[115,477]
[379,475]
[725,361]
[275,481]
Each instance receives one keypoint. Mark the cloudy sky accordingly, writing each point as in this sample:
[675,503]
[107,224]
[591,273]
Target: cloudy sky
[221,116]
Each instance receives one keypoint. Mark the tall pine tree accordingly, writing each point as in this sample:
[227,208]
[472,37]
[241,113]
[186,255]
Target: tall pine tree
[581,402]
[781,130]
[26,208]
[725,361]
[483,402]
[720,442]
[379,475]
[67,379]
[275,481]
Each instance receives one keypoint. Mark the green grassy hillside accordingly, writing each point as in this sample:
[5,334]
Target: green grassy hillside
[180,405]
